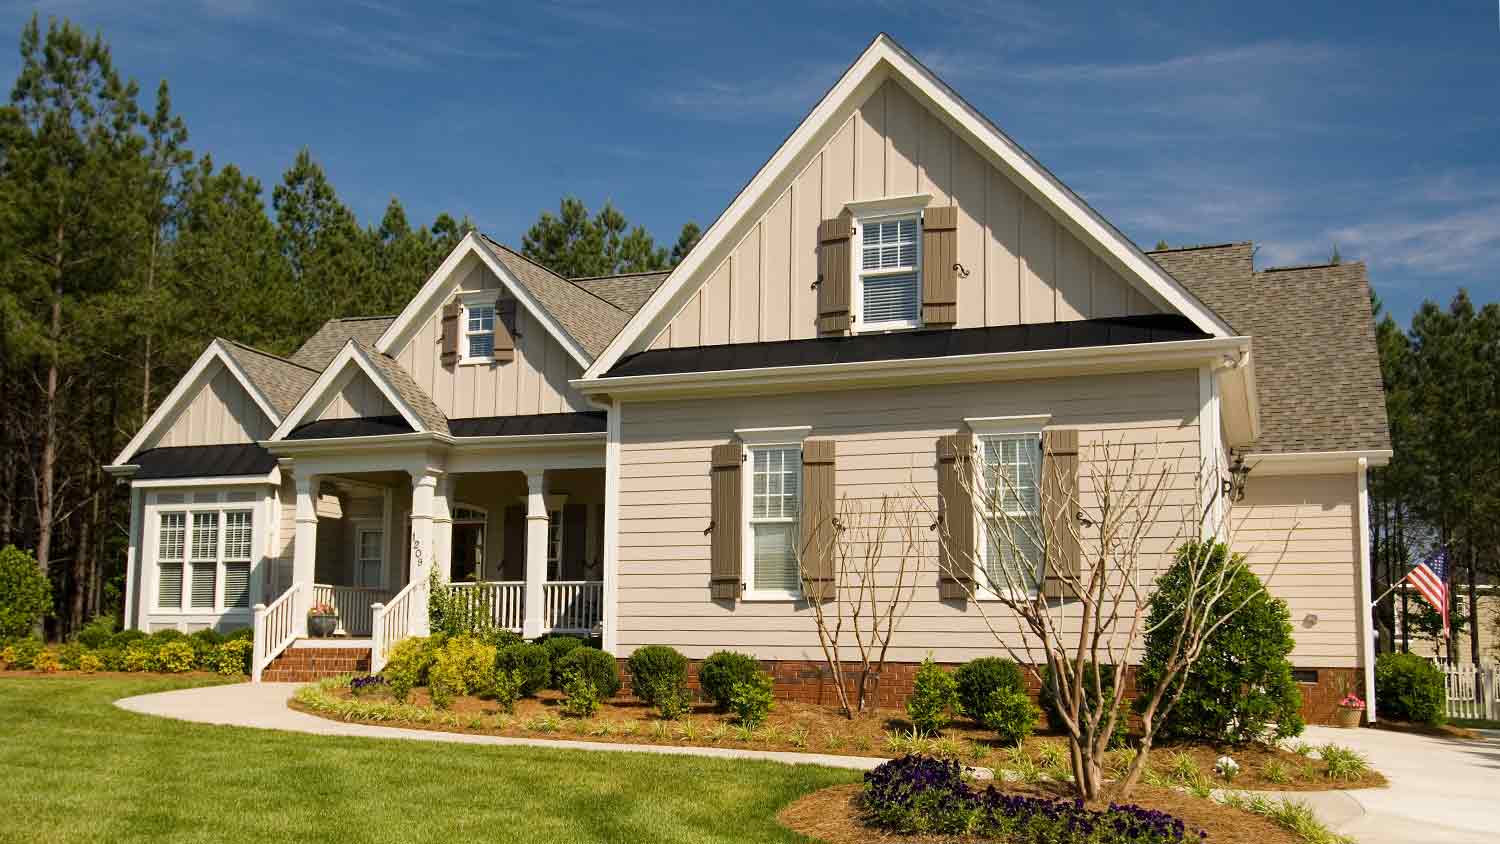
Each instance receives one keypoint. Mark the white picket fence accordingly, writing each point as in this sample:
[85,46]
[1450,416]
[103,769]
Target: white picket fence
[1473,690]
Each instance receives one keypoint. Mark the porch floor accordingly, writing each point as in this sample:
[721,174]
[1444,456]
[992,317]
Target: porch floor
[336,642]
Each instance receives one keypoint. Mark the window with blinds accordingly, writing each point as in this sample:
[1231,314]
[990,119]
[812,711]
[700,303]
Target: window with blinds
[479,331]
[889,276]
[1012,500]
[238,542]
[775,519]
[201,552]
[205,561]
[171,536]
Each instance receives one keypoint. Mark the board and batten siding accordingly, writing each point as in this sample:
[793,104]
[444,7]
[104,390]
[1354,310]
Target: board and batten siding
[1300,533]
[536,381]
[886,441]
[1023,266]
[221,413]
[360,397]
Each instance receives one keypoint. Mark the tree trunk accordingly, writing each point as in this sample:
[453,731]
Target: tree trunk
[79,576]
[46,480]
[1474,619]
[1401,545]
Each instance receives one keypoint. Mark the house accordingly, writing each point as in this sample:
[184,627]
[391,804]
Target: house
[635,453]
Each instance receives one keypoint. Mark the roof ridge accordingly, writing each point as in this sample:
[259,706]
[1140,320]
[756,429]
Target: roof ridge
[361,318]
[1199,246]
[263,353]
[620,275]
[557,275]
[1323,266]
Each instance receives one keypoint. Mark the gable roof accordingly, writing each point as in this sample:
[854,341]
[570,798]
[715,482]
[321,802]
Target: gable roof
[886,60]
[587,317]
[1318,378]
[280,380]
[321,348]
[410,392]
[628,291]
[400,389]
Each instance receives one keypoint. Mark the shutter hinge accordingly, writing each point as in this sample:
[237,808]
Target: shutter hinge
[710,528]
[959,268]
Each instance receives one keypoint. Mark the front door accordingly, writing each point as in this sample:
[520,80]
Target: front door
[468,552]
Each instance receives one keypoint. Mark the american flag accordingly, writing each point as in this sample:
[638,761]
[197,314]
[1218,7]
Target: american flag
[1431,579]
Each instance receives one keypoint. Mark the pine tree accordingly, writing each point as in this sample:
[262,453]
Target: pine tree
[689,238]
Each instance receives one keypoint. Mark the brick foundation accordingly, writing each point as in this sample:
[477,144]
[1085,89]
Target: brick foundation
[811,682]
[301,665]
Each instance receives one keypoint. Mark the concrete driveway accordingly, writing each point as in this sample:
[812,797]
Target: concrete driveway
[1442,790]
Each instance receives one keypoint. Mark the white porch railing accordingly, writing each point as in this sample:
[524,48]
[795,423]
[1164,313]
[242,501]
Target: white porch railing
[572,606]
[394,621]
[1472,690]
[353,604]
[503,600]
[276,627]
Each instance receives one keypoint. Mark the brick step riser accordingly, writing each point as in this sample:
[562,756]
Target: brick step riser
[302,665]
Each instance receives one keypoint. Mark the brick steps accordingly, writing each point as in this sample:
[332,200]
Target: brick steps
[301,665]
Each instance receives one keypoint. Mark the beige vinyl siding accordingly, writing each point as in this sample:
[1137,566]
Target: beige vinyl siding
[221,412]
[1308,523]
[536,381]
[1023,265]
[886,446]
[360,397]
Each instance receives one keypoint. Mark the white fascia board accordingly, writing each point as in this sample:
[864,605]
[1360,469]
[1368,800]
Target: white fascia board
[332,379]
[1135,357]
[386,442]
[883,60]
[187,385]
[1315,462]
[399,333]
[271,478]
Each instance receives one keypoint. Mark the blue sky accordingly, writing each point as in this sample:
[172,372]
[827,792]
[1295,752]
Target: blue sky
[1295,124]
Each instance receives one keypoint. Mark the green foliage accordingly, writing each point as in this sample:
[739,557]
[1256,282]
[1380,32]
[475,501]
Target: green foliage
[979,679]
[1410,688]
[530,662]
[657,670]
[97,633]
[462,665]
[574,245]
[205,644]
[1010,714]
[718,674]
[934,696]
[409,663]
[175,656]
[89,662]
[751,699]
[669,698]
[1343,764]
[1099,684]
[599,667]
[1241,688]
[139,656]
[21,653]
[233,658]
[25,593]
[581,697]
[558,646]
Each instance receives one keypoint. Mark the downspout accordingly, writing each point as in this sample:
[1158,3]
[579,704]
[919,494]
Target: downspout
[1366,615]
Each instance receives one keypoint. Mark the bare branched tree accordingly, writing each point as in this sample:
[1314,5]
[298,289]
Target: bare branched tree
[876,558]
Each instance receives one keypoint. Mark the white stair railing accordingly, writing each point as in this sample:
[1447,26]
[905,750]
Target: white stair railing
[503,600]
[353,604]
[276,627]
[391,622]
[573,606]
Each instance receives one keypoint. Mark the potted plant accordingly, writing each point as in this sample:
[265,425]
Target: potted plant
[1350,710]
[322,620]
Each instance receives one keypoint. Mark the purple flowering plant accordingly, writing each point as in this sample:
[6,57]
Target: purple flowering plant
[366,684]
[923,795]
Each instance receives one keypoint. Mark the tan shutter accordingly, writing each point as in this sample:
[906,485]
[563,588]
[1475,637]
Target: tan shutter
[1060,510]
[505,344]
[819,533]
[940,266]
[834,266]
[451,313]
[955,454]
[724,569]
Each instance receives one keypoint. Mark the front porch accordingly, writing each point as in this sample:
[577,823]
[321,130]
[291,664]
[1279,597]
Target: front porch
[521,546]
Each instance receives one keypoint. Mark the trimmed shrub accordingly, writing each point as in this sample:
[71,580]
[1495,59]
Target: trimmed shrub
[463,665]
[507,689]
[166,635]
[409,663]
[25,593]
[582,699]
[139,656]
[558,646]
[20,654]
[174,657]
[68,656]
[124,638]
[670,699]
[499,637]
[530,662]
[1410,688]
[934,695]
[1099,682]
[979,679]
[1241,688]
[718,675]
[88,663]
[233,657]
[47,662]
[113,659]
[599,667]
[751,699]
[657,670]
[1009,713]
[97,633]
[205,644]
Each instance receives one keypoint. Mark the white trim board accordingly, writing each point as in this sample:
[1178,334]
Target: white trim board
[439,284]
[334,379]
[187,387]
[884,59]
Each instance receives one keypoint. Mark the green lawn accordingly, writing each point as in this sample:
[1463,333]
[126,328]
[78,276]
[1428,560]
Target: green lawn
[78,769]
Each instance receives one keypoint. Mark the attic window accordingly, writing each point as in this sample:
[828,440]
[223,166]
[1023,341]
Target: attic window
[478,322]
[889,273]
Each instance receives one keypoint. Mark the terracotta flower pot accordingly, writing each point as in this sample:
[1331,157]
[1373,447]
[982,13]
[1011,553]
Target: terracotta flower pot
[322,626]
[1347,717]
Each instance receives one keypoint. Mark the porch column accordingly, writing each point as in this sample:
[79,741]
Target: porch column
[442,527]
[304,553]
[423,554]
[536,552]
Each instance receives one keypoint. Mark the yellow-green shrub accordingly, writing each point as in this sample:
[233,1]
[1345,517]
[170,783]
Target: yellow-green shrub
[139,657]
[47,661]
[175,657]
[88,663]
[409,662]
[463,665]
[234,657]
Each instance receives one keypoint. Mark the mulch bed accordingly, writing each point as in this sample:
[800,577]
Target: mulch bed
[832,815]
[803,727]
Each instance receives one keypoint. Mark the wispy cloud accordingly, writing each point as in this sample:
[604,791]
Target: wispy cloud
[1272,56]
[745,100]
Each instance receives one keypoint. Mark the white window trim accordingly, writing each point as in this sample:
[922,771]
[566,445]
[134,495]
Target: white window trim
[1002,426]
[756,438]
[877,211]
[362,527]
[153,539]
[490,298]
[484,525]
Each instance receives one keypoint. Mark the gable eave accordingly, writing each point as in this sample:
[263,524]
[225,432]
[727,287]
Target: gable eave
[332,379]
[883,60]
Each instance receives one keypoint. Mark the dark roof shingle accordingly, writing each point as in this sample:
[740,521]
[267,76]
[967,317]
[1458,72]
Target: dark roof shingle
[202,461]
[321,348]
[589,319]
[627,292]
[281,381]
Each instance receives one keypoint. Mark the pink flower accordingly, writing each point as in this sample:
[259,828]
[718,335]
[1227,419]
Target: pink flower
[1352,701]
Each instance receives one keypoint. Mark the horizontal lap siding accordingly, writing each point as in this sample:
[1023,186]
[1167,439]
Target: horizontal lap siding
[1299,533]
[886,446]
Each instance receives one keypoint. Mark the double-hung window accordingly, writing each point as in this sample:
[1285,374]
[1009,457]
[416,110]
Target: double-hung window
[204,561]
[238,544]
[889,272]
[1010,477]
[774,482]
[479,329]
[170,545]
[371,557]
[204,558]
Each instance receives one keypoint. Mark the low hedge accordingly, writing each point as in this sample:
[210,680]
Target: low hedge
[1410,688]
[718,675]
[98,648]
[598,667]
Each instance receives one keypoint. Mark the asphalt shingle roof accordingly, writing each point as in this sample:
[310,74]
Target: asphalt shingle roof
[321,348]
[591,320]
[627,292]
[1317,369]
[433,419]
[281,381]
